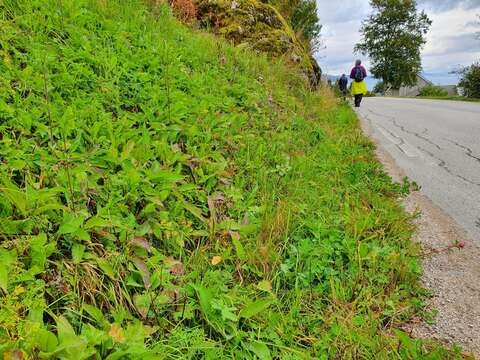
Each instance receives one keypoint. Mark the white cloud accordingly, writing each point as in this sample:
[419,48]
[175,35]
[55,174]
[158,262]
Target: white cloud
[451,40]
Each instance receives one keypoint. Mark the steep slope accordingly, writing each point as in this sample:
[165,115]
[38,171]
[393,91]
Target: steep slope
[164,195]
[259,27]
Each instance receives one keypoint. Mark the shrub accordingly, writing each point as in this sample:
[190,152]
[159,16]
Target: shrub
[184,10]
[435,91]
[379,87]
[470,80]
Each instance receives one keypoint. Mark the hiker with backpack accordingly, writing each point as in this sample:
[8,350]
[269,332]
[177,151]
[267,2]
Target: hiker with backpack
[359,87]
[343,85]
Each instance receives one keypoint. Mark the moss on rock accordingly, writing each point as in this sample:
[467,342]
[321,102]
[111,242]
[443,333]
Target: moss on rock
[260,27]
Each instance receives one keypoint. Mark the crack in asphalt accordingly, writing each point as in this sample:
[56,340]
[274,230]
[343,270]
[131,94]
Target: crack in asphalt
[443,165]
[440,162]
[468,151]
[393,120]
[402,142]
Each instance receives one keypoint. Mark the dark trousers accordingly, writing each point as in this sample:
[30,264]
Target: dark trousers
[358,100]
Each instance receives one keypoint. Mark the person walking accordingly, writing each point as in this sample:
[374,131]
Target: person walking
[359,87]
[343,85]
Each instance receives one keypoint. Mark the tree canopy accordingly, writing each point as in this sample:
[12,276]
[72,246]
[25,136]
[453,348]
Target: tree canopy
[470,80]
[393,36]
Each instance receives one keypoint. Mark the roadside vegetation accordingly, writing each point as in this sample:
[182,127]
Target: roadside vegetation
[303,17]
[452,98]
[470,80]
[433,91]
[164,195]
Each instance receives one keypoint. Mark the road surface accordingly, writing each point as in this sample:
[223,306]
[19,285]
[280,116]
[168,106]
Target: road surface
[437,144]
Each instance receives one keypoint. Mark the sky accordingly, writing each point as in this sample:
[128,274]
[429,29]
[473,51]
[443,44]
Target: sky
[451,41]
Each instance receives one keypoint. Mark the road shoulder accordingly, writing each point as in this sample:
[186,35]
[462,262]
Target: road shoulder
[451,271]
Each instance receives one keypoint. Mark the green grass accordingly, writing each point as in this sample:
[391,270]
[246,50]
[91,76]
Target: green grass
[452,98]
[166,196]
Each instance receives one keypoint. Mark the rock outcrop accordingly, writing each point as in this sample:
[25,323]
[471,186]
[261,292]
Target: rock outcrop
[258,26]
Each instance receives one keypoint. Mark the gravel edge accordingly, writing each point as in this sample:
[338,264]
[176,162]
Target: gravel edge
[451,267]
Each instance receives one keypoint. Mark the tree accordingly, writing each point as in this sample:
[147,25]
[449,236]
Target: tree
[306,23]
[392,37]
[470,80]
[379,88]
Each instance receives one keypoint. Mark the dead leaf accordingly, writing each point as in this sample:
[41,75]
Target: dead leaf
[140,264]
[116,333]
[211,204]
[214,200]
[216,260]
[225,181]
[234,235]
[141,242]
[176,148]
[175,267]
[14,354]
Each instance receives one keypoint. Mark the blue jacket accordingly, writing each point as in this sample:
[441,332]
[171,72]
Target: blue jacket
[343,82]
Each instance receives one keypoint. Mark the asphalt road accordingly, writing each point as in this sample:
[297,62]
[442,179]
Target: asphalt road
[437,144]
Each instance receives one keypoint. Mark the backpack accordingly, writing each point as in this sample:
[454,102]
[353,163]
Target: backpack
[358,74]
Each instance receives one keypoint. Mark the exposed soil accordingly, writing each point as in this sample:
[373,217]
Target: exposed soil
[451,269]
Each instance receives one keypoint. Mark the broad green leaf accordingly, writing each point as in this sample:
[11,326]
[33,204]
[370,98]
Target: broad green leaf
[64,329]
[96,222]
[82,235]
[239,249]
[44,340]
[118,355]
[261,350]
[142,303]
[70,224]
[48,207]
[106,267]
[205,299]
[94,312]
[405,339]
[17,164]
[194,211]
[78,250]
[4,278]
[38,251]
[254,308]
[14,194]
[7,259]
[363,250]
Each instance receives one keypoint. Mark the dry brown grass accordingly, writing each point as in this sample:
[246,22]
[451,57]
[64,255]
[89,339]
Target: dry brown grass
[271,239]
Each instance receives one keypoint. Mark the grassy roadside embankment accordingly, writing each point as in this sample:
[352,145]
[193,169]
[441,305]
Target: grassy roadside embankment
[451,98]
[166,196]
